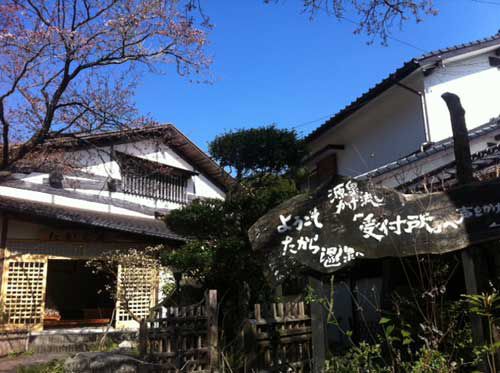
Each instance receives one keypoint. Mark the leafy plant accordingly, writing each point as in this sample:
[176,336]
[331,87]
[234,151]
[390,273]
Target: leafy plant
[432,361]
[362,358]
[487,306]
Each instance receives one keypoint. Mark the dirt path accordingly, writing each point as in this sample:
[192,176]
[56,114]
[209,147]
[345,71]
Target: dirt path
[11,364]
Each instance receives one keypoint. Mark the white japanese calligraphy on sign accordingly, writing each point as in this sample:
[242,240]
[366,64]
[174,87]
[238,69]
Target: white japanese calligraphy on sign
[348,196]
[337,255]
[477,211]
[298,223]
[329,256]
[333,256]
[378,229]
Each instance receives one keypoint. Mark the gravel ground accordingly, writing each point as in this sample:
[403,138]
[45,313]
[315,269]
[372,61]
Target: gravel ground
[11,364]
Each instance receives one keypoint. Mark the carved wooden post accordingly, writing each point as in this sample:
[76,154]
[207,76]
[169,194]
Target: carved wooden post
[318,326]
[212,332]
[464,176]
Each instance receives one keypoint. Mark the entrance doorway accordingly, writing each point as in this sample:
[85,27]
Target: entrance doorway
[76,297]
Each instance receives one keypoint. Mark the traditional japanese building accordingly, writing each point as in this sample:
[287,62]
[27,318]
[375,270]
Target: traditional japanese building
[114,196]
[404,117]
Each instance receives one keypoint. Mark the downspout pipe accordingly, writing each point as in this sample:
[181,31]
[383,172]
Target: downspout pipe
[423,102]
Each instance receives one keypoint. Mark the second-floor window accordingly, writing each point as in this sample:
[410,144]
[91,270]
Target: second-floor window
[171,188]
[146,178]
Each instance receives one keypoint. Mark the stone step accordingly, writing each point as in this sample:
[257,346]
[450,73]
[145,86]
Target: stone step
[72,342]
[60,341]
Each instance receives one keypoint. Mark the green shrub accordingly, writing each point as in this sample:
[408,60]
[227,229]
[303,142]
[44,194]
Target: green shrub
[362,358]
[433,361]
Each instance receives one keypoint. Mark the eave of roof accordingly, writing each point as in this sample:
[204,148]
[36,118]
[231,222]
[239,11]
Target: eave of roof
[151,228]
[437,147]
[484,163]
[202,161]
[406,70]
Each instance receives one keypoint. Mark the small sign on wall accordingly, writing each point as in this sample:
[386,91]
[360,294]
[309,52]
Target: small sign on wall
[66,235]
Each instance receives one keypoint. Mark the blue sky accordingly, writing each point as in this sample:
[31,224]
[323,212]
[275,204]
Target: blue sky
[272,64]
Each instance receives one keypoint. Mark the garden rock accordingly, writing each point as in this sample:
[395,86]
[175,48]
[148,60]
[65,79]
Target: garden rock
[126,344]
[104,362]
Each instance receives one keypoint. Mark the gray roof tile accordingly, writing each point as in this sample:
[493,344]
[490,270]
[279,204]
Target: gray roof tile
[152,228]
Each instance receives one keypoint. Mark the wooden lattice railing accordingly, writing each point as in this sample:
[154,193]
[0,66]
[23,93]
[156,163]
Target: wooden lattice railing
[185,338]
[279,338]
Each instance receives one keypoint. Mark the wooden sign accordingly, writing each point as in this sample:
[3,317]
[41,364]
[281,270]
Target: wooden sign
[346,220]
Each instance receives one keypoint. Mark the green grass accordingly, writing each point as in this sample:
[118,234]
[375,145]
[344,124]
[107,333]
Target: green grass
[22,353]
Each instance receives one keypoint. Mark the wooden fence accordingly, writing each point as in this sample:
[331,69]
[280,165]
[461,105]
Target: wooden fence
[279,338]
[185,338]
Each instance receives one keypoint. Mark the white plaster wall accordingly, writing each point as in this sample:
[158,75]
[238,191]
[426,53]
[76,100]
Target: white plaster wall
[97,161]
[477,84]
[205,188]
[29,195]
[388,128]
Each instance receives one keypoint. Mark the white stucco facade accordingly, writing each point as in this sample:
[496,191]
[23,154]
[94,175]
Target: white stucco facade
[474,81]
[375,134]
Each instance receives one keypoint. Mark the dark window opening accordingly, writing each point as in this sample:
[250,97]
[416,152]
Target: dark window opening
[326,167]
[75,296]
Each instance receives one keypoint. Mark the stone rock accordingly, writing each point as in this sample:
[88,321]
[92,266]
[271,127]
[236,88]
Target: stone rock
[126,344]
[105,362]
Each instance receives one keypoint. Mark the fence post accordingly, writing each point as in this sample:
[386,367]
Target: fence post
[318,326]
[213,332]
[143,337]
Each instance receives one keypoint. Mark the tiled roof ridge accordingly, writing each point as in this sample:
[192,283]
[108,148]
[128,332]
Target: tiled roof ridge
[131,224]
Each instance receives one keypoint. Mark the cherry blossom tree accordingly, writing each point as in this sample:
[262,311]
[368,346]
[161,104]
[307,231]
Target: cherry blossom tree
[72,65]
